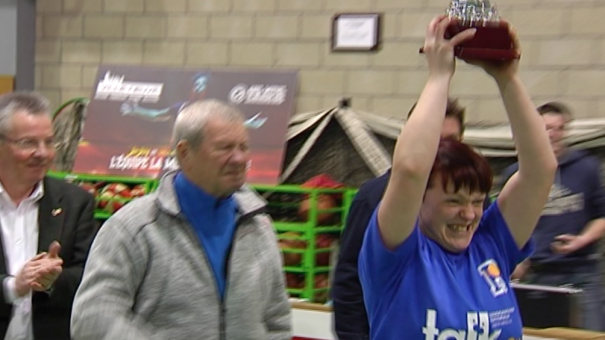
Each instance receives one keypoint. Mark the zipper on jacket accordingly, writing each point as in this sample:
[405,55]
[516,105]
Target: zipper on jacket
[221,300]
[223,312]
[222,309]
[223,327]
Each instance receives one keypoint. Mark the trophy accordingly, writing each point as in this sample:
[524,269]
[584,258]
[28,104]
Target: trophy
[492,41]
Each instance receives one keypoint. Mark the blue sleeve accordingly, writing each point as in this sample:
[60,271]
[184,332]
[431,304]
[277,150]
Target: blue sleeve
[350,317]
[496,231]
[379,266]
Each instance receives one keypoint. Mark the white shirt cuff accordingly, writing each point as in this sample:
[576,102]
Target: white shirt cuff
[10,290]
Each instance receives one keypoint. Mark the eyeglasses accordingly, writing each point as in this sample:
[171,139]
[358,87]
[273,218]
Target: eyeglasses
[32,144]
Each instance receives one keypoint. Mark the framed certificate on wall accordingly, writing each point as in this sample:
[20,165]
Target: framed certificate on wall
[356,32]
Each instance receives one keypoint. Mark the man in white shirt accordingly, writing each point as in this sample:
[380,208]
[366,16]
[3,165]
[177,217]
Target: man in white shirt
[46,225]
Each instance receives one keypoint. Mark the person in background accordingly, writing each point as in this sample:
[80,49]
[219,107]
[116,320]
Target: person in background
[571,225]
[433,264]
[350,317]
[46,224]
[196,259]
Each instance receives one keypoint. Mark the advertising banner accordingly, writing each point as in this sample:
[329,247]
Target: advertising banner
[129,120]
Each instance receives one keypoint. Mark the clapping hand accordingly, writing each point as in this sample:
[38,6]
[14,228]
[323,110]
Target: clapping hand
[50,270]
[40,272]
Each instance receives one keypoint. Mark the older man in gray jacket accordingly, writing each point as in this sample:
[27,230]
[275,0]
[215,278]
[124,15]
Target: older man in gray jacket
[198,258]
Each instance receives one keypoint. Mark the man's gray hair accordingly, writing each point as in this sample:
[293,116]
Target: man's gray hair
[190,122]
[29,102]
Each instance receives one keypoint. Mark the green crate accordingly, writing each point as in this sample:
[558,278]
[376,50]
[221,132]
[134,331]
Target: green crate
[307,264]
[101,186]
[154,185]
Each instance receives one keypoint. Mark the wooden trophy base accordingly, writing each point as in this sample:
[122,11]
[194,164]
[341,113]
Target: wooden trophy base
[485,54]
[492,41]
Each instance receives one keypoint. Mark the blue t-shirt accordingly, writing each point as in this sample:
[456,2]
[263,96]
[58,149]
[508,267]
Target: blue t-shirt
[421,291]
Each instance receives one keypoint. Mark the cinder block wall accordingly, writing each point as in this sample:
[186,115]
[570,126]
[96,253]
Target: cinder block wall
[563,48]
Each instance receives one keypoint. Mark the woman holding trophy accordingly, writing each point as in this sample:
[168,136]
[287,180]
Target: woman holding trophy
[433,264]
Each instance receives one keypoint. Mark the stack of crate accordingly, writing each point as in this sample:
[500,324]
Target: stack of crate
[110,192]
[309,222]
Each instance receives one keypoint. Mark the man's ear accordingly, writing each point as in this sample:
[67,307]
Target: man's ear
[182,149]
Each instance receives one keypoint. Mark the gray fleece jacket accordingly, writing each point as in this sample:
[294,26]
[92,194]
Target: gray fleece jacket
[147,277]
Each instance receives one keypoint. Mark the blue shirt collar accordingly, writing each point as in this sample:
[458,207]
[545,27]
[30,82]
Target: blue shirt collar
[192,193]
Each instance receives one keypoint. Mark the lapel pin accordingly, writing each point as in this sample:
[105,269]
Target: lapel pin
[56,211]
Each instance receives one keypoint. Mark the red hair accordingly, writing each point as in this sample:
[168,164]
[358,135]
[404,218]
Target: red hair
[464,167]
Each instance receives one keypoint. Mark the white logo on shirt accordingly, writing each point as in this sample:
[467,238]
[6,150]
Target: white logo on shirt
[491,273]
[561,200]
[477,328]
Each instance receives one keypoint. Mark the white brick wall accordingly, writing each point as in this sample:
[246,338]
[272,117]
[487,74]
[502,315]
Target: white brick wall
[563,48]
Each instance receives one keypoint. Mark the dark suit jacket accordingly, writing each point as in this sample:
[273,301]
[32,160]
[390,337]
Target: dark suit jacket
[66,215]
